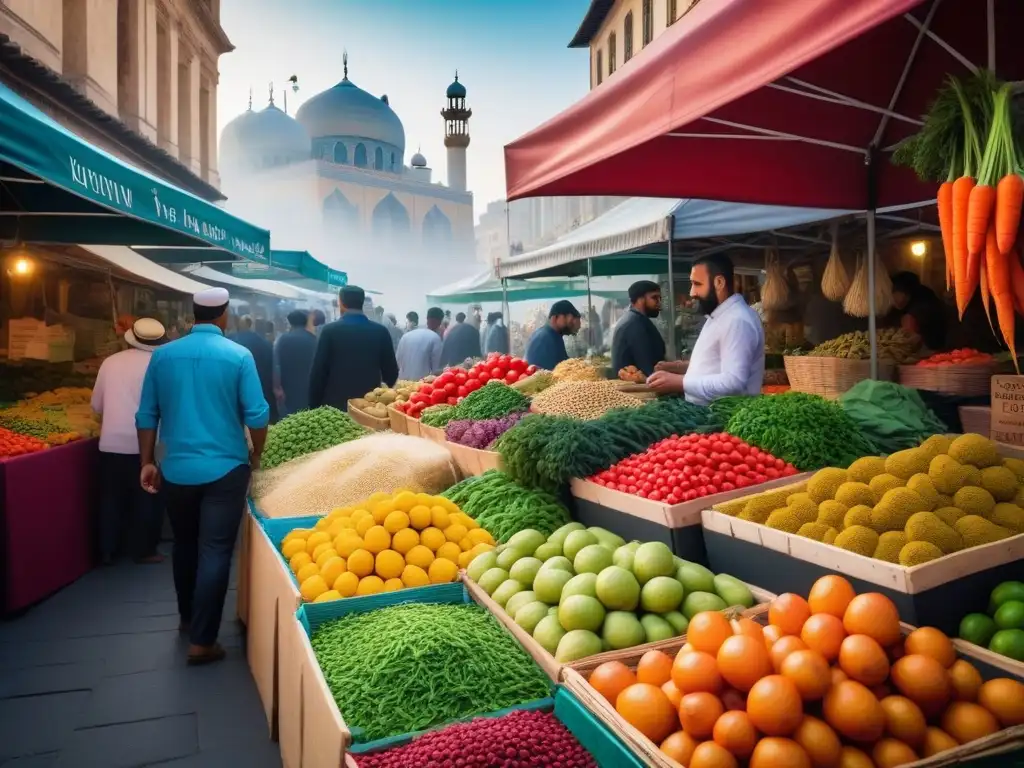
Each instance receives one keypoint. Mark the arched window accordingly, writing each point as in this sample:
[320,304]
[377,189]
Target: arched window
[340,154]
[391,219]
[360,158]
[341,217]
[437,228]
[378,159]
[394,165]
[627,37]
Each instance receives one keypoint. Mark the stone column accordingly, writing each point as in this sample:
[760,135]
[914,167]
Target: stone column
[132,76]
[90,50]
[148,67]
[188,107]
[167,86]
[211,174]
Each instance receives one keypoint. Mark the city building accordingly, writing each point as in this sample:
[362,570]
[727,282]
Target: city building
[334,180]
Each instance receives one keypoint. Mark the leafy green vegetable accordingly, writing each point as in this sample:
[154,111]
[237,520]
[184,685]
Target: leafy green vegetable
[503,507]
[892,416]
[307,432]
[492,401]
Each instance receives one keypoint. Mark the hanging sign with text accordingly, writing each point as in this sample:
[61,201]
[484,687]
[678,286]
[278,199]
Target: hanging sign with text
[1008,409]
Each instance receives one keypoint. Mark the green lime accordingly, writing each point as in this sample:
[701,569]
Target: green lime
[1009,642]
[1010,615]
[1008,590]
[977,628]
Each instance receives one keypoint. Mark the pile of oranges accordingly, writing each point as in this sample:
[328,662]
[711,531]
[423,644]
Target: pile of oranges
[830,682]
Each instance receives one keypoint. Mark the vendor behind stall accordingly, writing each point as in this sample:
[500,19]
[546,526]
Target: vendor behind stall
[546,347]
[636,341]
[728,358]
[920,310]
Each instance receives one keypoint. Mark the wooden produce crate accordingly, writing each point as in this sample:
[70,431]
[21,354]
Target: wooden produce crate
[368,421]
[472,461]
[555,668]
[326,737]
[962,380]
[434,434]
[832,376]
[1007,741]
[399,421]
[633,517]
[244,564]
[784,562]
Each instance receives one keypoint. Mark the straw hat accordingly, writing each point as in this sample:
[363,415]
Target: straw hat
[146,334]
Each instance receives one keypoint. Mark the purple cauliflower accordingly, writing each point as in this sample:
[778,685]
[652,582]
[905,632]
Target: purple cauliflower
[480,434]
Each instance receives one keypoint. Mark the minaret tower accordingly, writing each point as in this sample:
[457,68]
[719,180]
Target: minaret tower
[456,133]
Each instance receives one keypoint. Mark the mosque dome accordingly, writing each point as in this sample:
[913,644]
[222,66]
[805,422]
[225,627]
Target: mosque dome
[456,90]
[348,111]
[267,137]
[418,161]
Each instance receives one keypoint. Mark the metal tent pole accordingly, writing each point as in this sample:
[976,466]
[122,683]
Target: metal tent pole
[591,349]
[672,352]
[872,320]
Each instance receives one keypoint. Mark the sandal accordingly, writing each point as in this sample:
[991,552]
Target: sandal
[212,654]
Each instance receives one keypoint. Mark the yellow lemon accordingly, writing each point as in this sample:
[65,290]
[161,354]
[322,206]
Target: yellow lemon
[346,584]
[425,499]
[433,538]
[466,544]
[455,532]
[333,515]
[460,518]
[382,509]
[332,569]
[291,548]
[396,521]
[326,555]
[360,563]
[299,560]
[319,549]
[312,588]
[377,539]
[480,536]
[309,569]
[464,559]
[345,545]
[364,524]
[439,517]
[404,500]
[326,597]
[442,571]
[448,504]
[322,523]
[298,533]
[414,576]
[404,540]
[316,539]
[370,585]
[393,585]
[389,564]
[419,517]
[449,551]
[479,548]
[345,522]
[378,496]
[420,556]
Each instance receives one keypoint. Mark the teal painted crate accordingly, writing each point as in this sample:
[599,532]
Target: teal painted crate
[277,528]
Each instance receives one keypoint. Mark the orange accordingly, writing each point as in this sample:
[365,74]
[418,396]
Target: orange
[673,693]
[707,631]
[824,633]
[851,757]
[838,675]
[711,755]
[854,711]
[819,741]
[779,753]
[830,595]
[785,646]
[874,615]
[789,612]
[809,672]
[742,661]
[733,700]
[696,671]
[966,722]
[1004,698]
[655,668]
[698,713]
[736,733]
[648,709]
[679,746]
[775,706]
[748,627]
[937,740]
[966,681]
[881,691]
[611,678]
[771,634]
[889,753]
[924,681]
[928,641]
[904,720]
[863,660]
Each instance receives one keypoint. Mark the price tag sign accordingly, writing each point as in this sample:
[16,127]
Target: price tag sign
[1008,409]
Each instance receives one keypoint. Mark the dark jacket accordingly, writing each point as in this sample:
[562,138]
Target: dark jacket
[497,339]
[263,353]
[353,357]
[293,359]
[462,341]
[636,341]
[546,348]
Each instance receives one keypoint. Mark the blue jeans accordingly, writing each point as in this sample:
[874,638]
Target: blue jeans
[205,520]
[125,507]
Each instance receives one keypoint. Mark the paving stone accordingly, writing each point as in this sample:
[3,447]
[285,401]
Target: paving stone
[47,760]
[128,745]
[137,697]
[17,655]
[31,725]
[54,678]
[253,755]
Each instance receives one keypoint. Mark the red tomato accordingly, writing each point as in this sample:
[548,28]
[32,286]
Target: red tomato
[517,365]
[531,369]
[444,378]
[453,400]
[460,379]
[461,392]
[511,377]
[483,378]
[450,388]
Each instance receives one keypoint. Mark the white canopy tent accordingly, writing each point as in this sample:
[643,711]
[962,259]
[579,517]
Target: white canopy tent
[129,261]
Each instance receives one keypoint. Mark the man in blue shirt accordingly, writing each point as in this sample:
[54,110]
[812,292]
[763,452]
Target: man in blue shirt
[202,391]
[546,347]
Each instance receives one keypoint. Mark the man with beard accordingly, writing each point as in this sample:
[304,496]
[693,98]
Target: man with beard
[546,347]
[728,358]
[636,341]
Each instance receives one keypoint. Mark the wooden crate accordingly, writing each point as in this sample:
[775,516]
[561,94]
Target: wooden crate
[399,421]
[472,461]
[368,421]
[434,434]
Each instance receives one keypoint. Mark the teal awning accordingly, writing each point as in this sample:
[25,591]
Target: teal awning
[298,267]
[56,187]
[484,288]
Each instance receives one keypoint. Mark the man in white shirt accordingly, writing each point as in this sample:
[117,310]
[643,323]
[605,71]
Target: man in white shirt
[115,397]
[419,351]
[728,358]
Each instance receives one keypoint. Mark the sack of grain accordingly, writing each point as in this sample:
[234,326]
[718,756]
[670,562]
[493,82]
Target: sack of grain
[336,477]
[835,282]
[856,302]
[775,294]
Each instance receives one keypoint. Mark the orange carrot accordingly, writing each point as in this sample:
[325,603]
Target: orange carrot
[985,293]
[945,201]
[1009,200]
[1017,281]
[1001,285]
[961,195]
[979,212]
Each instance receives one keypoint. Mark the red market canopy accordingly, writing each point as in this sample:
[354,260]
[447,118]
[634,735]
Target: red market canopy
[787,102]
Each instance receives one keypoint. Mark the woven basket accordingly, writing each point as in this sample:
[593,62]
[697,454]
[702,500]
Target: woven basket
[976,419]
[368,421]
[832,376]
[964,380]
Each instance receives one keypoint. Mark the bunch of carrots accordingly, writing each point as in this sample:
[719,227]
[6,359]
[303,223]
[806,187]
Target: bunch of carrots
[970,132]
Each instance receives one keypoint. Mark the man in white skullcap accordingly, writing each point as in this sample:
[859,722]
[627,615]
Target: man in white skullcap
[202,391]
[115,397]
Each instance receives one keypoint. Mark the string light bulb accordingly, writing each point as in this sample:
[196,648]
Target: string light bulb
[919,248]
